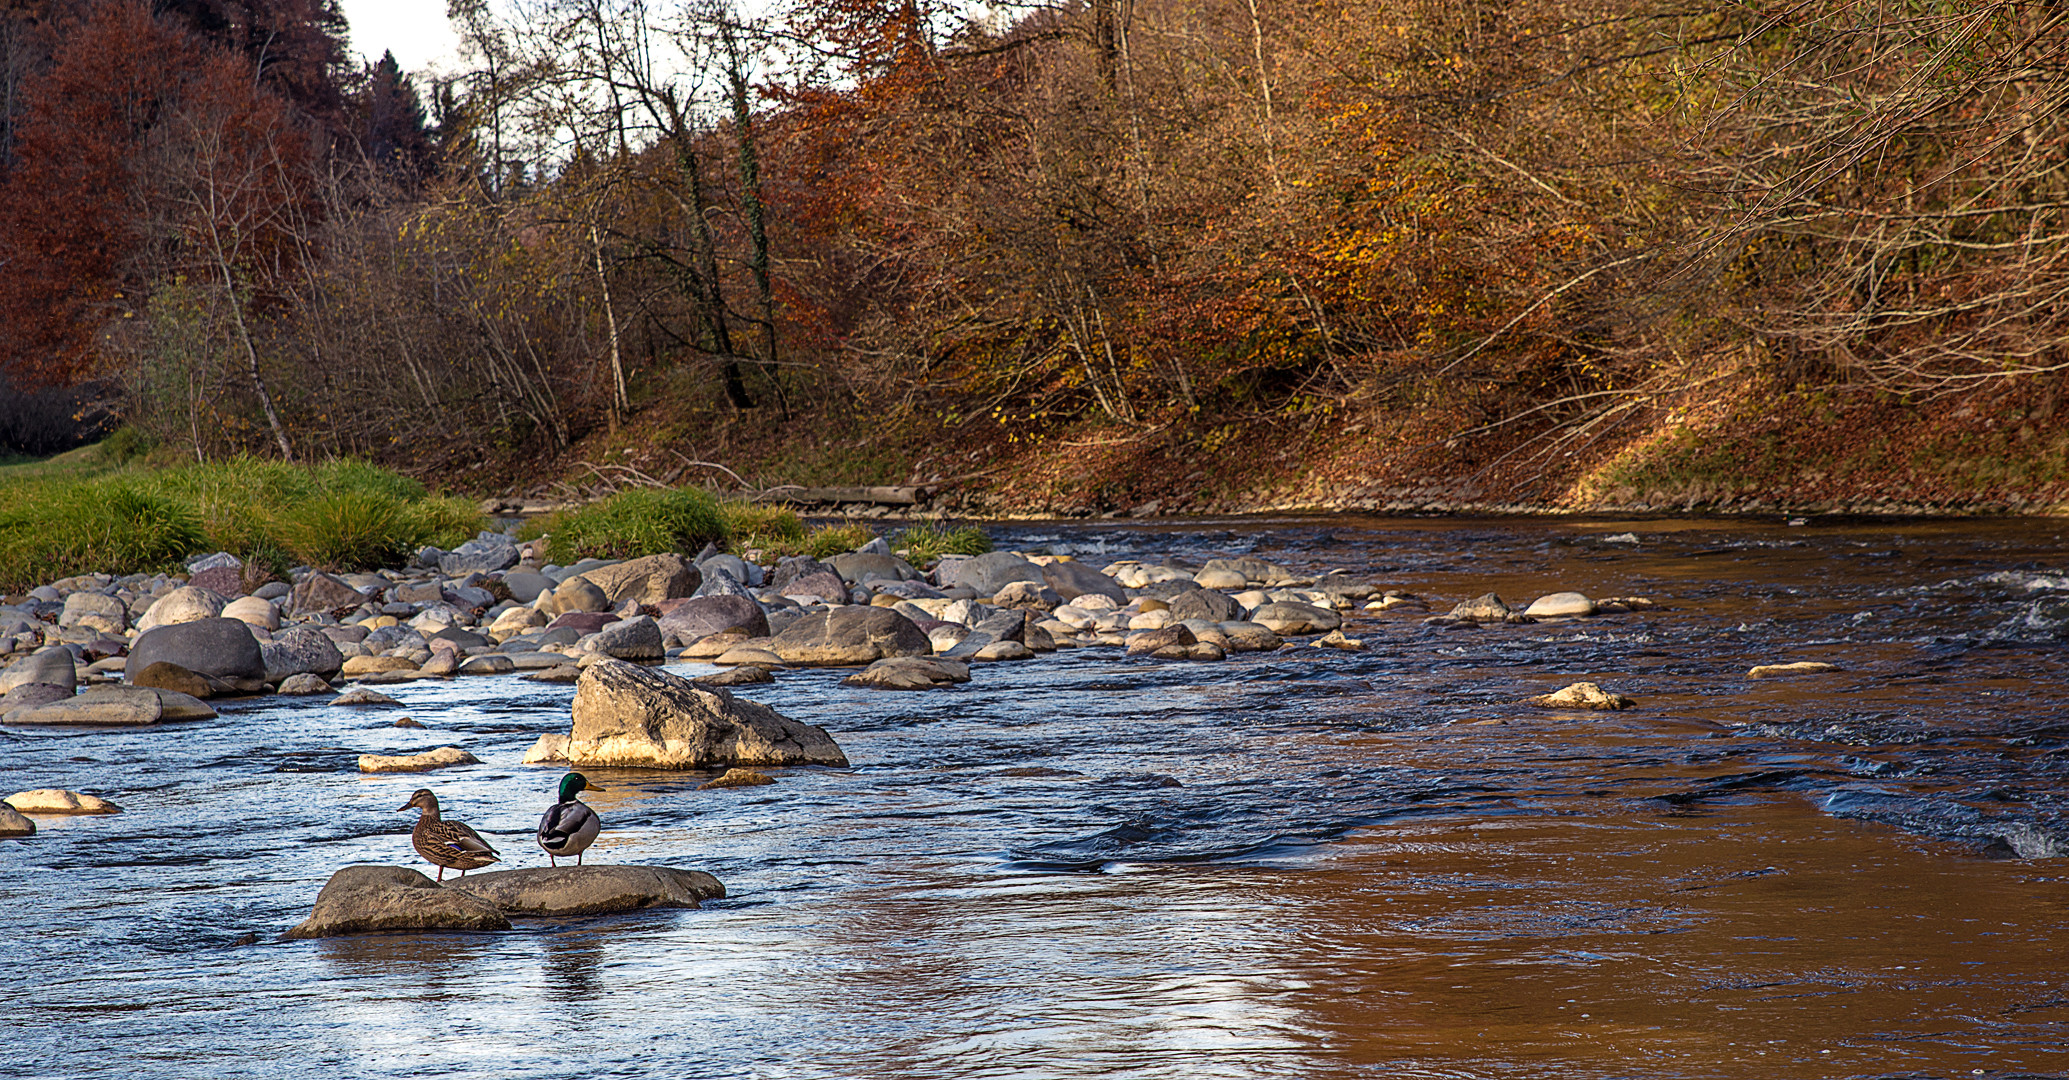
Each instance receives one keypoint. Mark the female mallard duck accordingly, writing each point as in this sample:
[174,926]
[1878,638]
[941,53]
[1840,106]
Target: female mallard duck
[446,843]
[570,827]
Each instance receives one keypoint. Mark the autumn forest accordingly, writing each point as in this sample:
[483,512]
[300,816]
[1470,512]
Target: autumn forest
[1078,257]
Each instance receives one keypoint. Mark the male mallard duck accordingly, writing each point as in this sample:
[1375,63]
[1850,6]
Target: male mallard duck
[446,843]
[570,827]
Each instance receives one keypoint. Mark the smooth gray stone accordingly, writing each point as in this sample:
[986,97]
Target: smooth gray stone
[986,574]
[488,664]
[1296,618]
[856,568]
[525,586]
[734,566]
[52,665]
[222,648]
[1075,579]
[536,661]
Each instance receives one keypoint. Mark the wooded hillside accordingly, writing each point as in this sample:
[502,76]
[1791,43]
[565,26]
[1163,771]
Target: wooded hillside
[1081,256]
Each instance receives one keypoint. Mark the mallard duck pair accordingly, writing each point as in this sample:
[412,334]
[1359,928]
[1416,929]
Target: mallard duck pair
[567,830]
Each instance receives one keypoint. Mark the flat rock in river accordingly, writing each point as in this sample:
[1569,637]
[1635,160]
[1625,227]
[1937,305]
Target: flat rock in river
[589,890]
[83,712]
[367,899]
[59,801]
[172,705]
[1780,671]
[442,758]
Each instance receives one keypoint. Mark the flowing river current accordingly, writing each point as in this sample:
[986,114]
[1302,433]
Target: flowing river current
[1306,863]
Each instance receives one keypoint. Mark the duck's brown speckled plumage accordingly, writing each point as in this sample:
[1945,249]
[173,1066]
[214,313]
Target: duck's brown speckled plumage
[446,843]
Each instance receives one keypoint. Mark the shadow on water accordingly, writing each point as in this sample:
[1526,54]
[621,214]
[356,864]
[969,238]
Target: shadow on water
[1303,863]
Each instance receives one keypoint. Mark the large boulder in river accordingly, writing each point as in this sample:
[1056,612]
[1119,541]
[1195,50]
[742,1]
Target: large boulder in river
[704,616]
[1074,579]
[850,635]
[589,890]
[223,648]
[986,574]
[365,899]
[649,580]
[627,715]
[182,605]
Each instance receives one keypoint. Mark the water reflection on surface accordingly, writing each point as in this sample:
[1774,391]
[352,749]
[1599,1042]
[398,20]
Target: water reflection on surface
[1303,864]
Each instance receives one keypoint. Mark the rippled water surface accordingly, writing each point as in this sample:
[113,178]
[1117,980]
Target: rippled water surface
[1307,863]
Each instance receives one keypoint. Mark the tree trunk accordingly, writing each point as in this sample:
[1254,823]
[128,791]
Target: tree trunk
[752,208]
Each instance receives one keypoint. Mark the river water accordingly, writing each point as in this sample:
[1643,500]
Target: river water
[1302,864]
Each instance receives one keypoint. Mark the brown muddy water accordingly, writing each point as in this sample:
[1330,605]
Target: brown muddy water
[1302,864]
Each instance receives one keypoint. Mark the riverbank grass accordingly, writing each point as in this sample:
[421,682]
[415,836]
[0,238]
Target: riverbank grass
[642,521]
[87,515]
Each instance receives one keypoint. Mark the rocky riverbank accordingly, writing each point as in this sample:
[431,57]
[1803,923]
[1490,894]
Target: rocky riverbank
[141,650]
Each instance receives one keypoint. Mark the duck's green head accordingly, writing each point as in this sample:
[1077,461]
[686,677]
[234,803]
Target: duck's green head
[574,784]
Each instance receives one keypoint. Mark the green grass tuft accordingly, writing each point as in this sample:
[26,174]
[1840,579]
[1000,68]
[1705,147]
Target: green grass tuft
[646,521]
[114,524]
[59,521]
[830,540]
[928,541]
[755,525]
[350,530]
